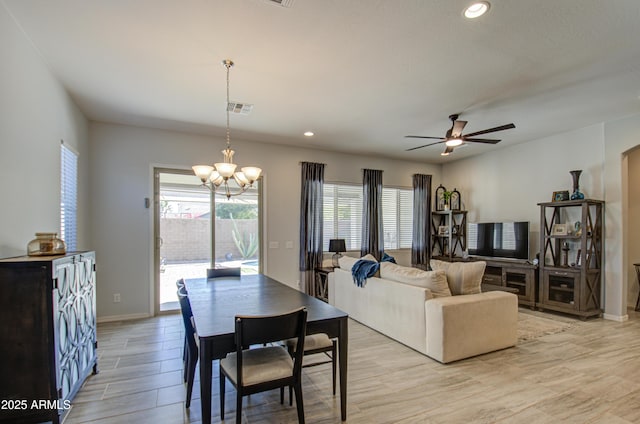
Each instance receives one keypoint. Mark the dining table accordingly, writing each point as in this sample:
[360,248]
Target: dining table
[215,302]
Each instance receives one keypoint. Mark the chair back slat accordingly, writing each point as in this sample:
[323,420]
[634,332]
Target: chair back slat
[185,308]
[223,272]
[180,283]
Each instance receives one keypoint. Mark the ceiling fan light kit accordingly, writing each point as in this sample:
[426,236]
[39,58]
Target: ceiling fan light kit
[454,137]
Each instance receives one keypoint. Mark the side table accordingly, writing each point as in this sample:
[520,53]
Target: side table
[321,289]
[638,277]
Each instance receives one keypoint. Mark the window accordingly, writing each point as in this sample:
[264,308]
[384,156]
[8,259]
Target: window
[69,197]
[343,216]
[397,217]
[342,206]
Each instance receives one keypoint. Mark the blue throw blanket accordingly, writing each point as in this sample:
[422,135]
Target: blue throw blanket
[364,269]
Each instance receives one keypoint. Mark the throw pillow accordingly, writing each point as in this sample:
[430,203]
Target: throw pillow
[435,281]
[463,277]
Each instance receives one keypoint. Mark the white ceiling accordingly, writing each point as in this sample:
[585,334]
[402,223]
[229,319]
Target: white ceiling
[361,74]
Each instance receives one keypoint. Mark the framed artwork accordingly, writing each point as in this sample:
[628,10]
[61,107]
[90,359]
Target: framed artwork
[560,196]
[559,230]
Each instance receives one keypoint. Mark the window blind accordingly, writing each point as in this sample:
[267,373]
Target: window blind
[69,197]
[342,205]
[397,217]
[343,216]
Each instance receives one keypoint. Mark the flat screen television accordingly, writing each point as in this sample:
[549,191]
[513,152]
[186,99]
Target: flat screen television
[499,239]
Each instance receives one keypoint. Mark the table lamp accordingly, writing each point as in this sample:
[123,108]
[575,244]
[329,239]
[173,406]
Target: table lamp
[337,246]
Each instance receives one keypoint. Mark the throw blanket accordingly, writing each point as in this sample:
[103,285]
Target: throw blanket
[364,269]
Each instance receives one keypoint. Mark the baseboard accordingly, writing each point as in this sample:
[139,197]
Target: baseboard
[127,317]
[619,318]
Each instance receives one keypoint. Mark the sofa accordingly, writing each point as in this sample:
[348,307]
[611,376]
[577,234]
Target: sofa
[441,313]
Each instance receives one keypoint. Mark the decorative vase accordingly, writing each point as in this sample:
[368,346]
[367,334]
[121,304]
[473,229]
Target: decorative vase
[46,244]
[577,194]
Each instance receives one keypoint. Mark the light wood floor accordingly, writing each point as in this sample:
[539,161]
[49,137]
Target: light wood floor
[588,374]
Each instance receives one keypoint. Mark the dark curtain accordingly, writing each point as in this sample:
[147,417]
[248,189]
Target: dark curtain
[372,232]
[312,182]
[421,244]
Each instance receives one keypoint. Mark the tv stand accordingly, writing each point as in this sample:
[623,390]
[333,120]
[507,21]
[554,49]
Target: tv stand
[513,274]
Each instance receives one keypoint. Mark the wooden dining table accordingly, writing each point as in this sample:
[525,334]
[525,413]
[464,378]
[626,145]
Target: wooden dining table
[215,302]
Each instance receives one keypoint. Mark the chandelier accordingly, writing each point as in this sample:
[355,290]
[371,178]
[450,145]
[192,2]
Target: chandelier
[213,177]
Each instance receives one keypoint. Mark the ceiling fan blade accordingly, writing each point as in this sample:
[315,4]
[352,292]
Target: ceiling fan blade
[457,128]
[421,136]
[490,130]
[482,140]
[426,145]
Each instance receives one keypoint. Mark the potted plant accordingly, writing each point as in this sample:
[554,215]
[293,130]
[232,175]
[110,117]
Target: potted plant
[446,197]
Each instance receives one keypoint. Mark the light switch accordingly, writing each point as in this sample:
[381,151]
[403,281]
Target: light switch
[274,245]
[289,245]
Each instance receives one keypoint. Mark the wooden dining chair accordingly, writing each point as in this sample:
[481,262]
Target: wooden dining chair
[319,343]
[191,343]
[180,285]
[223,272]
[267,367]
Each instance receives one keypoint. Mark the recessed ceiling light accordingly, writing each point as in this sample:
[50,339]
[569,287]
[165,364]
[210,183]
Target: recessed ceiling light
[308,134]
[477,9]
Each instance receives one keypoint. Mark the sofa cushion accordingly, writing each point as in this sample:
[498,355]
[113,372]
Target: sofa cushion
[463,277]
[347,262]
[435,281]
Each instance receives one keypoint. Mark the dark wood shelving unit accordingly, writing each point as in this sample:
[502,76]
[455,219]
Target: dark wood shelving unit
[571,264]
[454,242]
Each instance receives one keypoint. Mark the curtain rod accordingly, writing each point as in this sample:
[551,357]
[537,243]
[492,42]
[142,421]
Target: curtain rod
[306,161]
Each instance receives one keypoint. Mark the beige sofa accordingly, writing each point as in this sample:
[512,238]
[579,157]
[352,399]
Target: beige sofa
[439,313]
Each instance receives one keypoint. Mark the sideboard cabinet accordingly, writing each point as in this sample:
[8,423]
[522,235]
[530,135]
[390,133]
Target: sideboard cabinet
[47,334]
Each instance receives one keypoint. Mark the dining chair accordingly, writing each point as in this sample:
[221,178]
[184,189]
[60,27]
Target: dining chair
[180,285]
[315,344]
[267,367]
[191,343]
[223,272]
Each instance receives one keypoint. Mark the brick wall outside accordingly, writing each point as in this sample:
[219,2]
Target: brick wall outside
[188,239]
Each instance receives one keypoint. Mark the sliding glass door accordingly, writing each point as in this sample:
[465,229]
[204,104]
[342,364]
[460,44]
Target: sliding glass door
[195,230]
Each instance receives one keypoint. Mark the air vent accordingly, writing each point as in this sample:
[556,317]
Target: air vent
[283,3]
[239,108]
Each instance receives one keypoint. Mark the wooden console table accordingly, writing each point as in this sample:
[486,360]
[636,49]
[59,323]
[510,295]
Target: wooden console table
[517,276]
[321,287]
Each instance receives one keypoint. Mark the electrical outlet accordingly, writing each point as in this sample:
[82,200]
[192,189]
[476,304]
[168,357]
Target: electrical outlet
[116,298]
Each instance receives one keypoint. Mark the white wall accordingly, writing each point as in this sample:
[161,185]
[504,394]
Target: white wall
[621,137]
[633,211]
[507,185]
[122,159]
[36,114]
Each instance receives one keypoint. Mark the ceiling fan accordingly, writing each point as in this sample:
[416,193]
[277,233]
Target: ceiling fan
[455,138]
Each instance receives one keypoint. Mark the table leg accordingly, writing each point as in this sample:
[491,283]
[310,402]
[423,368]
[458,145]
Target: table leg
[343,347]
[205,381]
[637,266]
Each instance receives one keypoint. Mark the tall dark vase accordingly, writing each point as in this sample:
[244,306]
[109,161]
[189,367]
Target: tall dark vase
[577,194]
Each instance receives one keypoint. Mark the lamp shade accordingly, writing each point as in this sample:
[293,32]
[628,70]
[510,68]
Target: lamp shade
[337,245]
